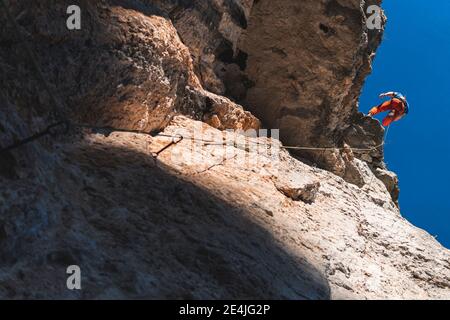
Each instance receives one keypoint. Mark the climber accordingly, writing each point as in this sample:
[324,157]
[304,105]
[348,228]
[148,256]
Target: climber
[398,107]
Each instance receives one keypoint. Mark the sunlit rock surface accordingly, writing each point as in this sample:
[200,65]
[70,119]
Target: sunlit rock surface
[216,215]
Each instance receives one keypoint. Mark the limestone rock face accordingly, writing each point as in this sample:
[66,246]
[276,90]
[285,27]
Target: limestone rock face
[206,221]
[215,214]
[211,29]
[390,180]
[126,67]
[306,64]
[299,66]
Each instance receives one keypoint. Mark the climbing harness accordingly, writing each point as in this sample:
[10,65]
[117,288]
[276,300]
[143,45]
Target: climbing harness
[402,98]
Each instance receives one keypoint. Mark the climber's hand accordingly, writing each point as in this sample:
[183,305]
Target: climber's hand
[372,112]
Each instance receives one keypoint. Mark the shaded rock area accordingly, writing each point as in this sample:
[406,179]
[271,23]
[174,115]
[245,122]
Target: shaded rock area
[390,180]
[138,230]
[126,68]
[205,221]
[366,133]
[217,215]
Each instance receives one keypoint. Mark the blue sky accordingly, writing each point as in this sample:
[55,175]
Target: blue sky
[414,59]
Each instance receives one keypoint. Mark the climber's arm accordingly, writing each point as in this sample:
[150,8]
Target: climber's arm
[374,111]
[390,94]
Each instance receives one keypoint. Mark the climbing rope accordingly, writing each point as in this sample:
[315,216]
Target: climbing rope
[52,130]
[107,130]
[66,124]
[57,106]
[342,148]
[311,148]
[173,142]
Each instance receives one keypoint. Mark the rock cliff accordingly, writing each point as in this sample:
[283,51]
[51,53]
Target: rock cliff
[217,214]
